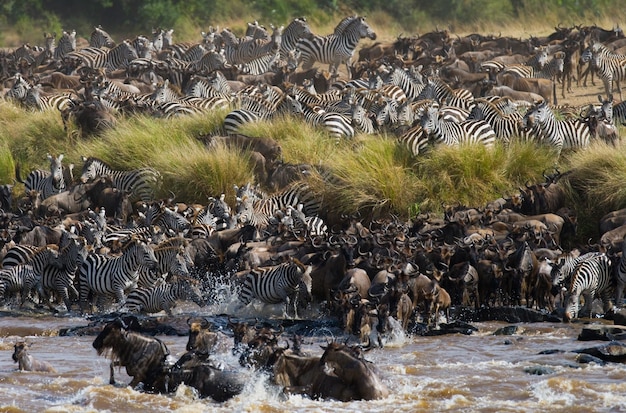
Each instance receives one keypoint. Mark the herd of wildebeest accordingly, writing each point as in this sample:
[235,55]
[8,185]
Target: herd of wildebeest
[103,242]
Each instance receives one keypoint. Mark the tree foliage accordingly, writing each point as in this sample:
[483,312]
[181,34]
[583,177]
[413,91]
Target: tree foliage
[121,15]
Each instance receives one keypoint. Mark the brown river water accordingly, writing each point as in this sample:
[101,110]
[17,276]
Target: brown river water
[481,372]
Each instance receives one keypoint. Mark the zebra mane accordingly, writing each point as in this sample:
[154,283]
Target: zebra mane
[93,160]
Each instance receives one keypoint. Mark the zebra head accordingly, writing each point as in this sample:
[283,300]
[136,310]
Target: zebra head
[430,119]
[535,115]
[142,253]
[299,28]
[157,39]
[606,110]
[91,169]
[56,171]
[128,52]
[365,30]
[20,88]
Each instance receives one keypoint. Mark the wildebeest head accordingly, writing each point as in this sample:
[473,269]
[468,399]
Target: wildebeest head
[114,332]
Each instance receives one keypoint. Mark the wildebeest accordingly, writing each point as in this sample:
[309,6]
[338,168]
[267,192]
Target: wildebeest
[27,362]
[201,338]
[208,380]
[144,357]
[353,377]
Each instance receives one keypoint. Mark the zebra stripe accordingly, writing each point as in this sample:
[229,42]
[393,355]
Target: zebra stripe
[591,279]
[119,57]
[108,276]
[36,258]
[399,77]
[19,279]
[163,297]
[19,90]
[215,86]
[335,49]
[360,120]
[336,125]
[58,101]
[415,139]
[141,183]
[608,65]
[67,44]
[47,183]
[256,109]
[257,209]
[568,133]
[242,51]
[452,133]
[506,127]
[277,284]
[210,62]
[298,29]
[60,278]
[550,70]
[100,38]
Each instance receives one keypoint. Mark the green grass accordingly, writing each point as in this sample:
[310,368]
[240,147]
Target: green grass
[370,175]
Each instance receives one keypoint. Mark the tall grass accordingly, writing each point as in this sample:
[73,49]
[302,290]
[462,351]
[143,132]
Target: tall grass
[370,175]
[596,183]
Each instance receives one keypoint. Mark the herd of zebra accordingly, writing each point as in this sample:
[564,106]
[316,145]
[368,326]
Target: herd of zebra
[427,90]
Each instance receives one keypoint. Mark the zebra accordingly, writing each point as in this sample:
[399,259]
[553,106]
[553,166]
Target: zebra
[335,49]
[619,113]
[258,109]
[608,65]
[415,140]
[60,277]
[297,29]
[242,51]
[409,85]
[141,183]
[211,62]
[119,57]
[66,44]
[100,38]
[257,210]
[163,297]
[452,133]
[441,92]
[551,69]
[278,284]
[591,279]
[19,90]
[111,276]
[335,124]
[167,219]
[566,264]
[171,262]
[58,101]
[506,127]
[20,279]
[36,258]
[360,120]
[216,86]
[560,134]
[261,64]
[47,183]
